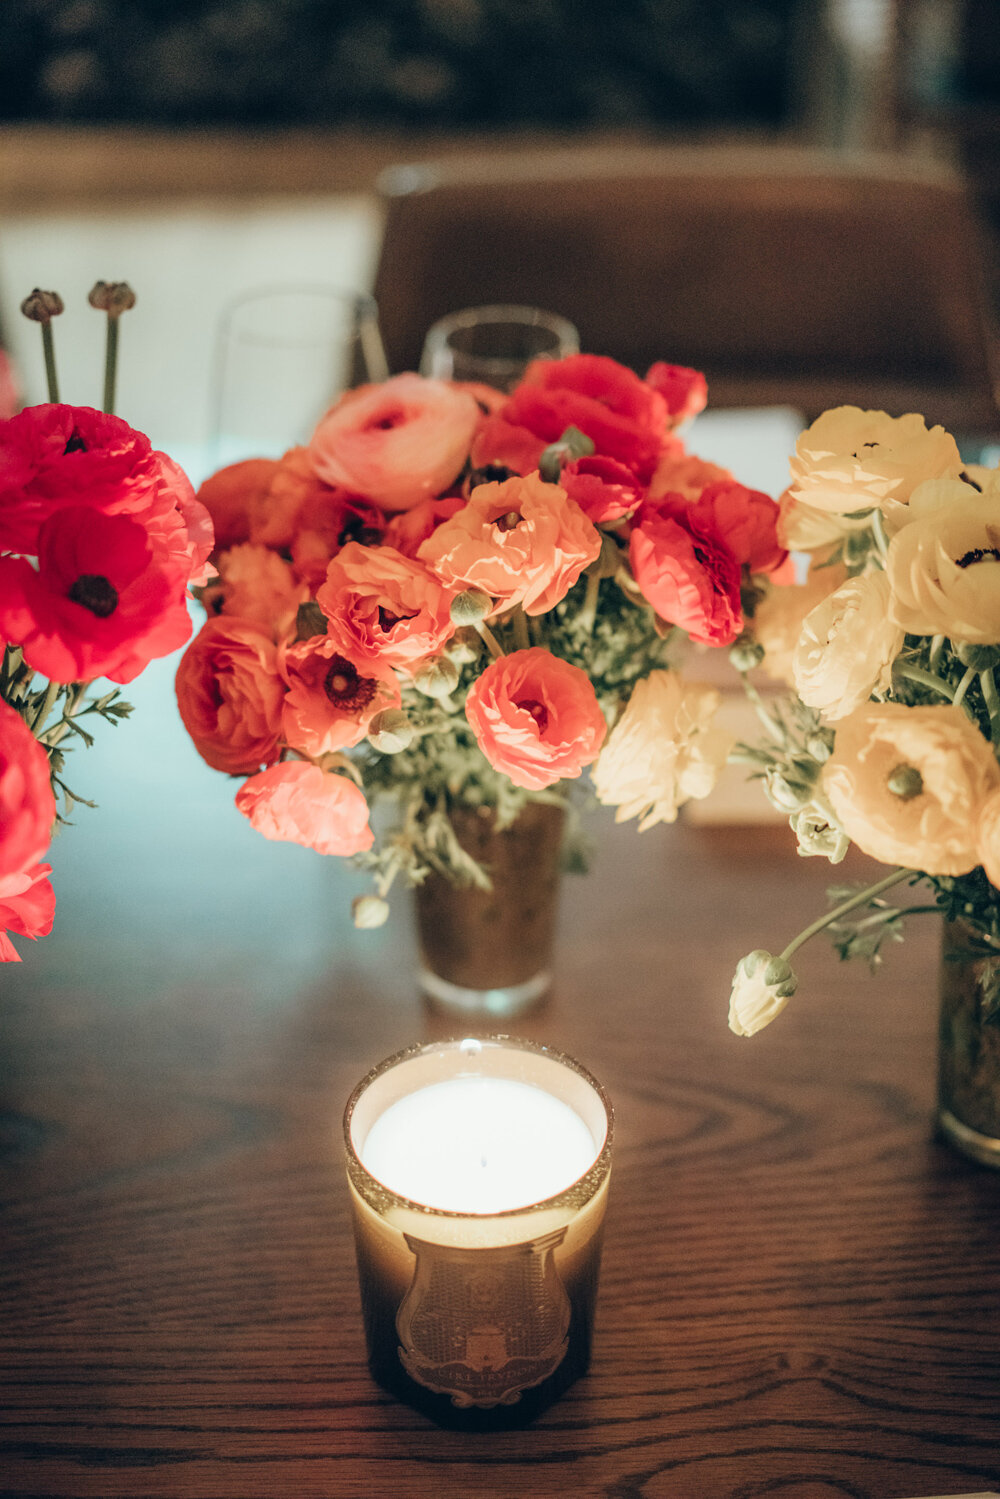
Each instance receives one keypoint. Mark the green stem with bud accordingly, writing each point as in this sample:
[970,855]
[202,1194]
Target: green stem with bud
[860,899]
[911,673]
[493,645]
[49,350]
[937,646]
[964,685]
[992,700]
[111,364]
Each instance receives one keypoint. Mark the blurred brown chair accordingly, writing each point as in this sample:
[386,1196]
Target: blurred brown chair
[789,276]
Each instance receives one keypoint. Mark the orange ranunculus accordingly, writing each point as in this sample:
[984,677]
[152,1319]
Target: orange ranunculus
[27,907]
[27,805]
[536,718]
[410,528]
[260,587]
[331,699]
[396,443]
[299,803]
[381,606]
[679,472]
[521,541]
[230,495]
[229,694]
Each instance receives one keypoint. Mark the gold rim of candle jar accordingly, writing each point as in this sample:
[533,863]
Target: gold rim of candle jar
[383,1198]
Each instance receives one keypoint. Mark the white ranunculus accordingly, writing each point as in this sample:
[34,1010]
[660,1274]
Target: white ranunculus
[663,751]
[944,564]
[762,986]
[851,459]
[847,647]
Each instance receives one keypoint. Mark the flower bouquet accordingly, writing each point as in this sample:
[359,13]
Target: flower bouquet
[100,537]
[891,644]
[460,600]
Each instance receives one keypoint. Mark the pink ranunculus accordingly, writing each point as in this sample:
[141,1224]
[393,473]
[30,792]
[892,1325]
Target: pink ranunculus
[685,391]
[331,699]
[229,693]
[27,805]
[623,416]
[197,533]
[298,803]
[536,718]
[604,489]
[521,541]
[396,443]
[381,606]
[688,574]
[27,908]
[103,601]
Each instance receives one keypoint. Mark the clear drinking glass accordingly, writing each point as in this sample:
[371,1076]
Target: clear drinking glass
[494,345]
[282,356]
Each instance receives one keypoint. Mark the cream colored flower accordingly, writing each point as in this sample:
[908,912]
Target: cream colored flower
[989,838]
[944,564]
[847,647]
[762,986]
[851,459]
[818,833]
[907,784]
[663,750]
[777,621]
[804,528]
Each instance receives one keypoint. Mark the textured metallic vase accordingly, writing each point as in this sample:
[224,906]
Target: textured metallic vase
[489,953]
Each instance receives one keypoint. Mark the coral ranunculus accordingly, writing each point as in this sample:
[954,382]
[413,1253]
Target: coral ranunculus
[299,803]
[745,519]
[536,718]
[259,586]
[521,541]
[396,443]
[229,694]
[27,805]
[381,606]
[331,699]
[27,908]
[604,489]
[229,496]
[689,575]
[102,602]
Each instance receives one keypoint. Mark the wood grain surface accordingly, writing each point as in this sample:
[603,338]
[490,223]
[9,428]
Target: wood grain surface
[800,1287]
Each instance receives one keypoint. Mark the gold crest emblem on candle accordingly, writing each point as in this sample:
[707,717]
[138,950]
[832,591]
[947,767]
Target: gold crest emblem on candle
[484,1328]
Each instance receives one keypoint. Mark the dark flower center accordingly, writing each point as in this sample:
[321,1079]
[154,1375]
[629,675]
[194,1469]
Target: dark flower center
[508,522]
[978,554]
[490,473]
[75,444]
[388,621]
[95,593]
[387,421]
[356,528]
[346,688]
[539,713]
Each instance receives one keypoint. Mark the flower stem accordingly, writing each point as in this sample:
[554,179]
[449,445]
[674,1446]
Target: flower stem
[911,673]
[878,532]
[964,685]
[861,898]
[992,700]
[46,706]
[110,364]
[519,622]
[937,646]
[771,724]
[49,350]
[492,643]
[588,612]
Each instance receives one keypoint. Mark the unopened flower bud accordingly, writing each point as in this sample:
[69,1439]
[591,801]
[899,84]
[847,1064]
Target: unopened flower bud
[745,654]
[436,678]
[41,306]
[309,621]
[785,794]
[464,647]
[470,607]
[572,444]
[112,297]
[906,782]
[390,731]
[820,745]
[762,986]
[369,911]
[979,657]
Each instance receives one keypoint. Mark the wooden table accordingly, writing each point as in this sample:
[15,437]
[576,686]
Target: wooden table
[800,1288]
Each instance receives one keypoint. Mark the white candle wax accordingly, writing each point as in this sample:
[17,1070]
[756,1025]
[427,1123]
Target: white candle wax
[478,1145]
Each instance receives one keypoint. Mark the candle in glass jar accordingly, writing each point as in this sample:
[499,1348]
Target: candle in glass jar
[479,1173]
[479,1145]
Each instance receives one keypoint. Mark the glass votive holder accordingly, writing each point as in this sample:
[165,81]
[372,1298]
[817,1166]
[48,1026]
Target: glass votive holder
[478,1172]
[494,345]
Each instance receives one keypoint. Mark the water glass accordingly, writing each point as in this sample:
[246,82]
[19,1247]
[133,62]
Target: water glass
[494,345]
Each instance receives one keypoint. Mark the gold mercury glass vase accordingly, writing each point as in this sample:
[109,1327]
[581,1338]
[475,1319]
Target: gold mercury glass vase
[969,1049]
[488,953]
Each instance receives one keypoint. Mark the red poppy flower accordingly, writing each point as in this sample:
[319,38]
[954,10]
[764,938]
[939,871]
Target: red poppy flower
[102,602]
[27,908]
[27,805]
